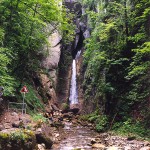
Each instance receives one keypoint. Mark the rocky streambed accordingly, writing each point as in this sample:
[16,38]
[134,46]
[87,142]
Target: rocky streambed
[78,137]
[65,132]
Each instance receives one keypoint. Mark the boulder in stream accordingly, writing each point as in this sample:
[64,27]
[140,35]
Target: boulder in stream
[42,138]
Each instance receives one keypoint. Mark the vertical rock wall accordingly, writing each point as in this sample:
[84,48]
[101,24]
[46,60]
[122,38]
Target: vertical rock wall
[81,32]
[57,63]
[48,77]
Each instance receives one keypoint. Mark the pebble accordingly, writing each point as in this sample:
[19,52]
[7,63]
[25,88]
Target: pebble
[57,135]
[2,127]
[127,148]
[14,114]
[96,145]
[145,148]
[41,146]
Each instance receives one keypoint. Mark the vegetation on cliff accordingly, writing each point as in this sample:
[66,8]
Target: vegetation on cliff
[24,29]
[117,61]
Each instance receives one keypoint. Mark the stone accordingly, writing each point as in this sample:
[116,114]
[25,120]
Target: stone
[68,115]
[99,146]
[17,124]
[8,141]
[146,143]
[112,148]
[28,121]
[2,127]
[74,108]
[127,148]
[55,108]
[57,135]
[95,140]
[14,114]
[38,131]
[41,146]
[7,126]
[86,34]
[42,138]
[145,148]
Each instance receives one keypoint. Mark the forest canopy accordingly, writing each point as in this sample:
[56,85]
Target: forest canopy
[117,58]
[24,29]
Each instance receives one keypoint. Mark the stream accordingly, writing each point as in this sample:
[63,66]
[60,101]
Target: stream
[76,138]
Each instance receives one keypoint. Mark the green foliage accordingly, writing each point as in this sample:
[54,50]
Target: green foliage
[24,31]
[131,129]
[64,106]
[139,67]
[6,80]
[39,117]
[18,135]
[117,57]
[34,103]
[18,139]
[100,121]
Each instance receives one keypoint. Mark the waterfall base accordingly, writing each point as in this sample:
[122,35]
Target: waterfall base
[75,108]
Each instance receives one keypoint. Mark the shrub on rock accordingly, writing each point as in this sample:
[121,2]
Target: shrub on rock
[17,139]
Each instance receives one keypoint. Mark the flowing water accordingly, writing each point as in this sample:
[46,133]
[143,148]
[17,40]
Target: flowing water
[78,137]
[73,90]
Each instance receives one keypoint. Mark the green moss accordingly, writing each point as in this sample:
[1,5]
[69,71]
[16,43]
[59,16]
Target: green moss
[18,139]
[64,106]
[4,136]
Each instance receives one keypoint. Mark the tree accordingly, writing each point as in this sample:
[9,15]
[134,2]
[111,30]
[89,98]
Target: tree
[26,25]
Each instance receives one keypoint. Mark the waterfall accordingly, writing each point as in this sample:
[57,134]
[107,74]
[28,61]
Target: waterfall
[73,90]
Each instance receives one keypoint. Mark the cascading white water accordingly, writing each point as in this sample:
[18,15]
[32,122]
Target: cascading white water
[73,90]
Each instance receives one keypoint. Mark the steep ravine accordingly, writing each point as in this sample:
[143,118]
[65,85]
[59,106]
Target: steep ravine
[64,131]
[78,135]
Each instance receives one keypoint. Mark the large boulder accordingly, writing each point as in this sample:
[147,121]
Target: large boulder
[17,139]
[18,124]
[43,138]
[74,108]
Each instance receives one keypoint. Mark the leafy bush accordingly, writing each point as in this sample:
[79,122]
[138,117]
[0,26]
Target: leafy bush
[101,123]
[39,117]
[32,100]
[116,59]
[131,129]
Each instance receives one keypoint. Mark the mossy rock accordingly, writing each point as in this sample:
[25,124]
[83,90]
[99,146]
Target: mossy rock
[64,107]
[17,139]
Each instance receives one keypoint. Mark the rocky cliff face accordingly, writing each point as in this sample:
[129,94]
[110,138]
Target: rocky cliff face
[57,63]
[81,33]
[48,77]
[50,63]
